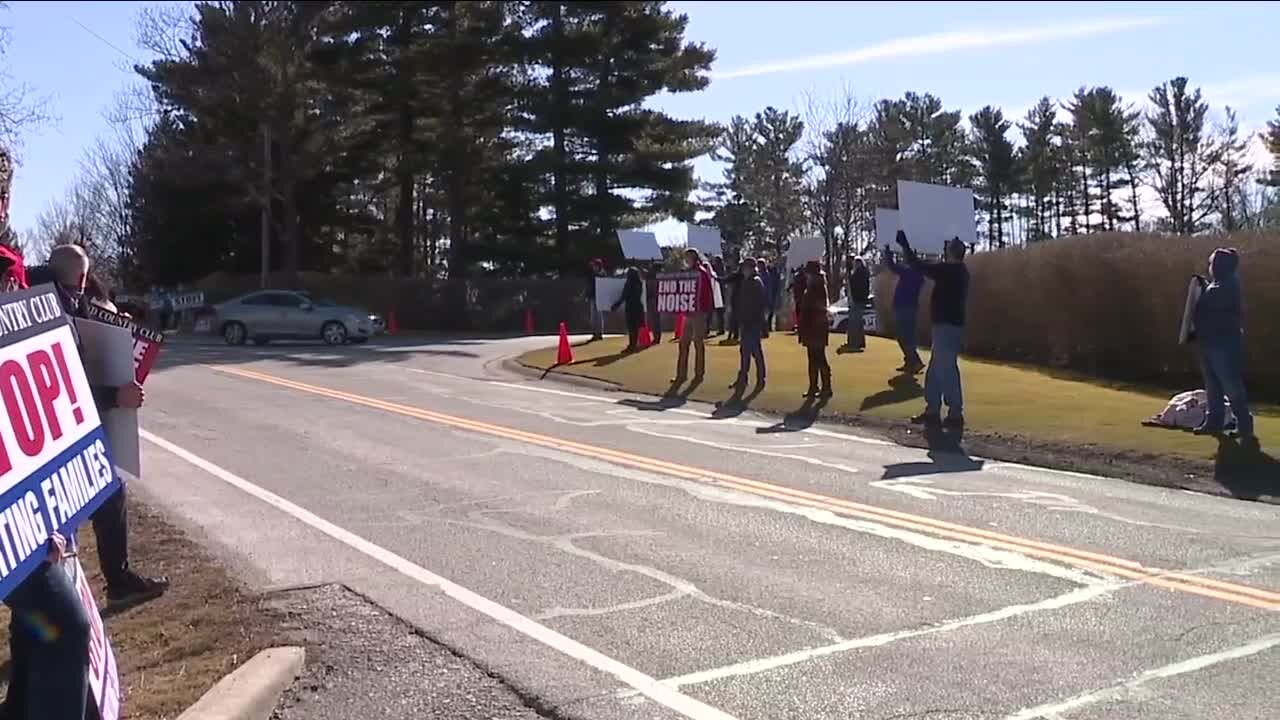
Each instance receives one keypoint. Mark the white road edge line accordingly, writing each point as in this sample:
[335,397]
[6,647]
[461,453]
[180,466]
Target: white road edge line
[649,687]
[1122,690]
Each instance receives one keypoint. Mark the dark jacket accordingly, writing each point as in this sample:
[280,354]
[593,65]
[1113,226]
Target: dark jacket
[1219,313]
[632,295]
[814,330]
[752,305]
[860,284]
[104,396]
[950,289]
[906,293]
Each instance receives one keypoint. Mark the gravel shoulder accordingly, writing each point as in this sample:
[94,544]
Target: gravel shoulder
[364,663]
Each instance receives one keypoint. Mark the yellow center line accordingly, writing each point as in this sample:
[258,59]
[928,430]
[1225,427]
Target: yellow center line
[1096,562]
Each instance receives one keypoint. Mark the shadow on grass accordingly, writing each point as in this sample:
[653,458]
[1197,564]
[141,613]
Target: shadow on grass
[801,418]
[946,455]
[902,388]
[1245,471]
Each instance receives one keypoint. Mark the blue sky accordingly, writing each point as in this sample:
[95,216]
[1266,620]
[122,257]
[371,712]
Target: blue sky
[769,53]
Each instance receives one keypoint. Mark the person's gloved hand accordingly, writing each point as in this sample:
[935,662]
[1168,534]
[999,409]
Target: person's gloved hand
[130,397]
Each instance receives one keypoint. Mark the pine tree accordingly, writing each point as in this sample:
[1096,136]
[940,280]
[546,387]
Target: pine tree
[778,183]
[1230,174]
[1039,160]
[996,171]
[601,62]
[888,139]
[1181,153]
[1271,137]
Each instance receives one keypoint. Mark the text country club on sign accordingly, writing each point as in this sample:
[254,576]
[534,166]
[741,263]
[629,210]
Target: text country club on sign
[55,468]
[677,292]
[146,342]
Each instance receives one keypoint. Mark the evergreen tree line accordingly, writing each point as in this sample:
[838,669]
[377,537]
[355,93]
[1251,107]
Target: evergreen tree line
[415,138]
[1089,163]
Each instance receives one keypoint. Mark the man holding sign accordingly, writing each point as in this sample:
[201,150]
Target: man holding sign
[70,269]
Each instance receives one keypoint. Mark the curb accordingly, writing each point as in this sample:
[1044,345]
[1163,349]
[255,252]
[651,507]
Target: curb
[251,691]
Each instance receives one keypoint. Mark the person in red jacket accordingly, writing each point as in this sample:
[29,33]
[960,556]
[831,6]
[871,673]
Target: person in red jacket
[695,327]
[813,330]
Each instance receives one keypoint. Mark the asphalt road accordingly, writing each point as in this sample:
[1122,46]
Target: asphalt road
[619,557]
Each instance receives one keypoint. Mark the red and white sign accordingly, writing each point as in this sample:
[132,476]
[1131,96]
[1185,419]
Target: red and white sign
[104,676]
[146,342]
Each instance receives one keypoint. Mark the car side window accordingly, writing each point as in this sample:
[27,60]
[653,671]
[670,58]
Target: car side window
[259,299]
[288,300]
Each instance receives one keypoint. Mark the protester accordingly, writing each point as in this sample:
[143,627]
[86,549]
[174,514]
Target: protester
[749,314]
[1219,338]
[717,324]
[633,301]
[732,292]
[769,276]
[798,285]
[813,331]
[947,303]
[48,624]
[906,310]
[595,270]
[651,298]
[695,328]
[858,282]
[68,269]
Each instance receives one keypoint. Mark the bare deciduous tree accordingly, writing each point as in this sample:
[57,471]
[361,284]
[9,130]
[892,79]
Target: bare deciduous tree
[20,107]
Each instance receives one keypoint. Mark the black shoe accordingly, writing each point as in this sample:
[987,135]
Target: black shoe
[954,422]
[133,589]
[1207,430]
[825,394]
[926,419]
[810,394]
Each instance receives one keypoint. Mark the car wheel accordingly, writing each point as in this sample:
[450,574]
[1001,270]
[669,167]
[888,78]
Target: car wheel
[234,333]
[334,333]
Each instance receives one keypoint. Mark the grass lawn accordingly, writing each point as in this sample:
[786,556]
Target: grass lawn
[999,399]
[172,650]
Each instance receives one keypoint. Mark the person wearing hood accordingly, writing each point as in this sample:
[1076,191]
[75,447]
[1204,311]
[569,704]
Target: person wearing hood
[813,330]
[632,301]
[1219,336]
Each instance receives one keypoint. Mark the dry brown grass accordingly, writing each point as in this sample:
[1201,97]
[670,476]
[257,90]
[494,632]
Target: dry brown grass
[172,650]
[1110,306]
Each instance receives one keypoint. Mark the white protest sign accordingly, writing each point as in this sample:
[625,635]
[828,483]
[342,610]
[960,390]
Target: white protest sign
[108,360]
[639,245]
[933,214]
[804,249]
[55,466]
[705,240]
[609,291]
[1194,290]
[888,223]
[104,676]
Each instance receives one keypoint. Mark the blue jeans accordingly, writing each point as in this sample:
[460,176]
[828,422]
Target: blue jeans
[1222,363]
[49,632]
[905,319]
[942,381]
[749,348]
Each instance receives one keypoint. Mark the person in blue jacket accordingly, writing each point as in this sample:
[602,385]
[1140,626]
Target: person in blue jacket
[1219,336]
[906,310]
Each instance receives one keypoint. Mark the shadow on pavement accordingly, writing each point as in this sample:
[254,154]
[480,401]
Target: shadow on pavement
[737,403]
[801,418]
[1245,471]
[902,388]
[946,455]
[183,350]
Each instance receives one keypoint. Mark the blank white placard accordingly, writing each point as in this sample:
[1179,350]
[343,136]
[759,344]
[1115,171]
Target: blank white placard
[639,245]
[933,214]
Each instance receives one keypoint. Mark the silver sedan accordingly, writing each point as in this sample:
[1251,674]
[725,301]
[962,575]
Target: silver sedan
[290,315]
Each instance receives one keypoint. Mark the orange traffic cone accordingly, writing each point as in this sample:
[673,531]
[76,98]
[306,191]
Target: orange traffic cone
[565,355]
[644,338]
[393,327]
[528,321]
[679,325]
